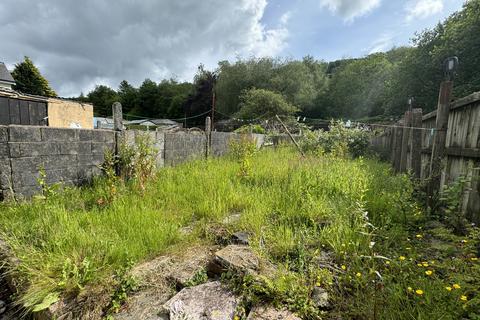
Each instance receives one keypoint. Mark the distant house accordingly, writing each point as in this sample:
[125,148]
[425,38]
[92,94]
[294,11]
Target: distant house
[155,124]
[27,109]
[6,79]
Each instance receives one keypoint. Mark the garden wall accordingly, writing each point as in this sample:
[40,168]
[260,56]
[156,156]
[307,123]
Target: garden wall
[73,156]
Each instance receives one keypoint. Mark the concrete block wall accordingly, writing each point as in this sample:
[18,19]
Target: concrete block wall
[70,156]
[183,146]
[74,156]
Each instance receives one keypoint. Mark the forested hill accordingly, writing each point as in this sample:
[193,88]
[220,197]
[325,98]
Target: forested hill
[377,85]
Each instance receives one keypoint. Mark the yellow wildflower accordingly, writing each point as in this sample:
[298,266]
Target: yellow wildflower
[419,236]
[358,274]
[419,292]
[419,264]
[318,284]
[344,267]
[456,286]
[408,248]
[474,259]
[387,262]
[236,318]
[429,272]
[464,241]
[401,258]
[463,298]
[448,288]
[425,264]
[409,289]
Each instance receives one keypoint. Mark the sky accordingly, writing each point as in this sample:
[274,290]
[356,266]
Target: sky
[79,44]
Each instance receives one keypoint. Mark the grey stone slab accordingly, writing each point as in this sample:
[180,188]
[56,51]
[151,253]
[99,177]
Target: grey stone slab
[3,134]
[24,133]
[47,162]
[102,147]
[59,134]
[104,136]
[74,148]
[4,151]
[85,134]
[31,149]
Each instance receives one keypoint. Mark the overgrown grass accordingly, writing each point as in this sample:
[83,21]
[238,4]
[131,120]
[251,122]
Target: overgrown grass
[296,208]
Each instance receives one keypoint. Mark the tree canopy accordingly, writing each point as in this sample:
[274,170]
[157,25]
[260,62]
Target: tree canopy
[28,79]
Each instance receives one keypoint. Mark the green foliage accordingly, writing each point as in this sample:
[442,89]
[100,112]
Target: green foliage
[242,150]
[452,202]
[265,104]
[125,284]
[28,79]
[251,128]
[339,140]
[102,98]
[198,278]
[48,190]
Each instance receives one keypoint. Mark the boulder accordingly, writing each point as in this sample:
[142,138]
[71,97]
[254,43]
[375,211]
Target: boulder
[240,238]
[270,313]
[208,301]
[238,258]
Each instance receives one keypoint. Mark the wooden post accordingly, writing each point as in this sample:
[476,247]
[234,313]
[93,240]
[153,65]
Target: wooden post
[397,152]
[440,137]
[290,135]
[405,139]
[416,150]
[208,135]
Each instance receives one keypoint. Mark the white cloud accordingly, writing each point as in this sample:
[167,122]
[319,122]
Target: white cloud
[77,44]
[350,9]
[382,44]
[421,9]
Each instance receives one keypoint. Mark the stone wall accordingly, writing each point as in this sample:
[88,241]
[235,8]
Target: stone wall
[73,156]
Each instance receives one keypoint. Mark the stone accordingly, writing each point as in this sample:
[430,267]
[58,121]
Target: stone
[237,257]
[270,313]
[320,298]
[240,238]
[208,301]
[232,218]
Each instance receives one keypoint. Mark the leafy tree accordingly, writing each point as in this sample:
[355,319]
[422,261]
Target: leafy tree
[102,98]
[28,79]
[264,104]
[201,99]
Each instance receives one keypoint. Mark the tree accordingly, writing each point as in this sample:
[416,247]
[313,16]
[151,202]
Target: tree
[28,79]
[263,104]
[102,98]
[128,96]
[200,100]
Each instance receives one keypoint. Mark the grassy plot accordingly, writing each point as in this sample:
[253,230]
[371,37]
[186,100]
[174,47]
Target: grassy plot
[297,209]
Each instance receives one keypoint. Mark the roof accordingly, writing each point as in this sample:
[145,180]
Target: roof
[5,75]
[154,122]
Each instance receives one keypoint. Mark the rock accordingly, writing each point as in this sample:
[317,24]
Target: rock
[320,298]
[145,305]
[232,218]
[3,307]
[208,301]
[240,238]
[236,257]
[270,313]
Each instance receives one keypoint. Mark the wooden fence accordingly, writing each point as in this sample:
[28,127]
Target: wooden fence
[412,143]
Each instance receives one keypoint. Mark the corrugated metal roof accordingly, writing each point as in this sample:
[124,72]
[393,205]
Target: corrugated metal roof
[4,74]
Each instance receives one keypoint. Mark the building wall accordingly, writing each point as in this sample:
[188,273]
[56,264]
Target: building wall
[69,114]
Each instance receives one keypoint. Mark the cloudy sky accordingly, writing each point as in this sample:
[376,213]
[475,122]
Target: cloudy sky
[77,44]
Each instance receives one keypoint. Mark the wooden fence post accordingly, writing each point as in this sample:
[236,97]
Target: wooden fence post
[440,137]
[397,152]
[416,149]
[405,139]
[208,135]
